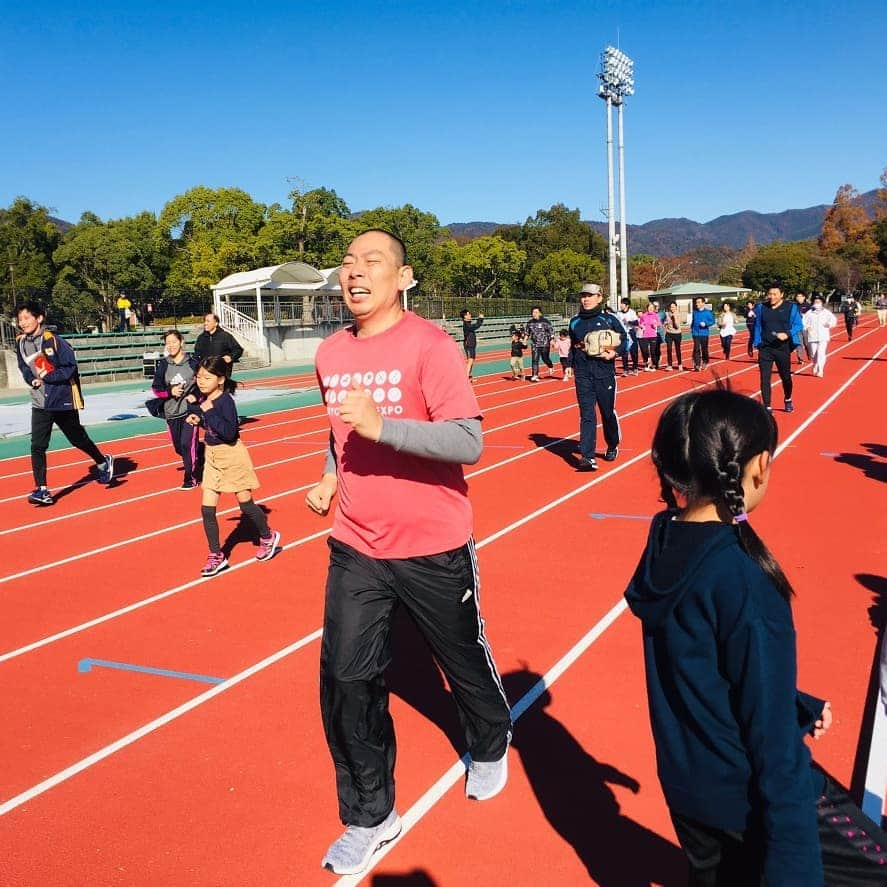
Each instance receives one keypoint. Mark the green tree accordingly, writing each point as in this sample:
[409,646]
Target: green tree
[485,266]
[212,233]
[562,273]
[128,254]
[793,266]
[28,237]
[558,228]
[74,307]
[420,231]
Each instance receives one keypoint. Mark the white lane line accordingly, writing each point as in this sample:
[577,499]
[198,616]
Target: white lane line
[138,605]
[415,813]
[150,727]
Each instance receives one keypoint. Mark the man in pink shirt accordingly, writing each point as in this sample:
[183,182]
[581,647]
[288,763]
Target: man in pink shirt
[404,420]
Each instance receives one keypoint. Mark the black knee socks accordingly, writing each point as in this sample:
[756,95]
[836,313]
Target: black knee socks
[257,516]
[211,527]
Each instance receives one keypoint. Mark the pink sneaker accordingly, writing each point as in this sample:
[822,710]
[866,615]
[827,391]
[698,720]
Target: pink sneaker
[268,546]
[215,563]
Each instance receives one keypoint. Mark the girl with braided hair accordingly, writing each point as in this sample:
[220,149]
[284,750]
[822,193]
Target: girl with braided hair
[719,649]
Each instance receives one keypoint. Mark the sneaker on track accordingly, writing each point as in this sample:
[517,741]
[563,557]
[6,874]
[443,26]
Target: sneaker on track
[611,454]
[41,496]
[351,853]
[789,406]
[215,563]
[106,470]
[189,484]
[586,465]
[486,778]
[268,546]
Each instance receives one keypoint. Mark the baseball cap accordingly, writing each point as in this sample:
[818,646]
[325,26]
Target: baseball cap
[590,289]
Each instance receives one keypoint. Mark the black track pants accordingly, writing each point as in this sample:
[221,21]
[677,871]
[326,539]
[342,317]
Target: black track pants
[540,352]
[184,440]
[591,392]
[440,592]
[41,431]
[782,357]
[700,351]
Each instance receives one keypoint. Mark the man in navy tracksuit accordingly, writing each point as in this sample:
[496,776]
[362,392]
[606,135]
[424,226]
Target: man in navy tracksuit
[48,365]
[595,377]
[777,334]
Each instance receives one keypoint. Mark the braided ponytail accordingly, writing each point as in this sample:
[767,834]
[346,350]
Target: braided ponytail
[702,443]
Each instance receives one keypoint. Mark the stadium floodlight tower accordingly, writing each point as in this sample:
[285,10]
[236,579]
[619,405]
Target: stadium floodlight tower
[617,82]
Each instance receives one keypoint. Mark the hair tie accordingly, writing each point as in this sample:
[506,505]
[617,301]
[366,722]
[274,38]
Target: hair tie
[742,516]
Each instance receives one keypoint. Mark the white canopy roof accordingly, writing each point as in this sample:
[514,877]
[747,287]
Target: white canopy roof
[288,277]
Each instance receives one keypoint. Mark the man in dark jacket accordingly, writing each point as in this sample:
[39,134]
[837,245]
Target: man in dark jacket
[216,342]
[595,377]
[777,334]
[48,365]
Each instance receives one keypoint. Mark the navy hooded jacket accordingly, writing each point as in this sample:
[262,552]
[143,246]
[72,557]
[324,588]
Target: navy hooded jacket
[719,652]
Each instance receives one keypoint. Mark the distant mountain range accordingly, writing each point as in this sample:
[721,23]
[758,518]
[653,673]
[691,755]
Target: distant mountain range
[674,237]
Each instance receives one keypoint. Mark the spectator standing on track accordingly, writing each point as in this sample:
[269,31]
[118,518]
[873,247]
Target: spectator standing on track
[648,332]
[173,381]
[751,316]
[228,467]
[401,536]
[628,317]
[469,337]
[700,327]
[660,335]
[727,328]
[124,308]
[673,335]
[719,648]
[881,308]
[818,324]
[595,377]
[851,311]
[216,342]
[48,364]
[777,334]
[565,352]
[540,333]
[518,346]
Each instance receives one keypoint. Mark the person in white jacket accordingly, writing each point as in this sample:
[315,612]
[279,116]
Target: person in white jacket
[818,323]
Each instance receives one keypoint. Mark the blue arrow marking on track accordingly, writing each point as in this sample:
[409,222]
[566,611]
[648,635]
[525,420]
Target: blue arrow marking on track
[85,665]
[598,516]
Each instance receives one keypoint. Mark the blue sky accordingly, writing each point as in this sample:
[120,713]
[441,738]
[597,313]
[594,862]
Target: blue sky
[473,111]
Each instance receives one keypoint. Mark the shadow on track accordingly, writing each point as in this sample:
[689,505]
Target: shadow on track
[573,790]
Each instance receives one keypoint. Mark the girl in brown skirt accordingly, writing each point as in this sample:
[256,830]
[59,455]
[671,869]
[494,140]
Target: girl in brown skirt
[228,467]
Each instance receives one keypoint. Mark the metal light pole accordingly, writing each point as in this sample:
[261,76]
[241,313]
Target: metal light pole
[617,82]
[623,234]
[611,215]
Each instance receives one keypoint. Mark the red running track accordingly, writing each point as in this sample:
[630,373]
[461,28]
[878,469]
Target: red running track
[119,777]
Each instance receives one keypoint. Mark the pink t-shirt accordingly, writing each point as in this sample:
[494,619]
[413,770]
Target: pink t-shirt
[391,504]
[648,322]
[564,346]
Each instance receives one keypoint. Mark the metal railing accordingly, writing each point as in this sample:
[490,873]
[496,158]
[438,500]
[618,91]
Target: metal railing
[240,323]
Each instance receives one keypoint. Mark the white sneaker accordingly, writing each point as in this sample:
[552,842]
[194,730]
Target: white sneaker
[351,853]
[486,778]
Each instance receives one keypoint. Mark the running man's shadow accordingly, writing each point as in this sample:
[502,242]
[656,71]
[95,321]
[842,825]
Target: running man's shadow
[568,450]
[877,613]
[415,878]
[872,465]
[573,790]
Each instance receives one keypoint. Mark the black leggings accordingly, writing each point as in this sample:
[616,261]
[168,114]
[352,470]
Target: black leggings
[726,342]
[41,431]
